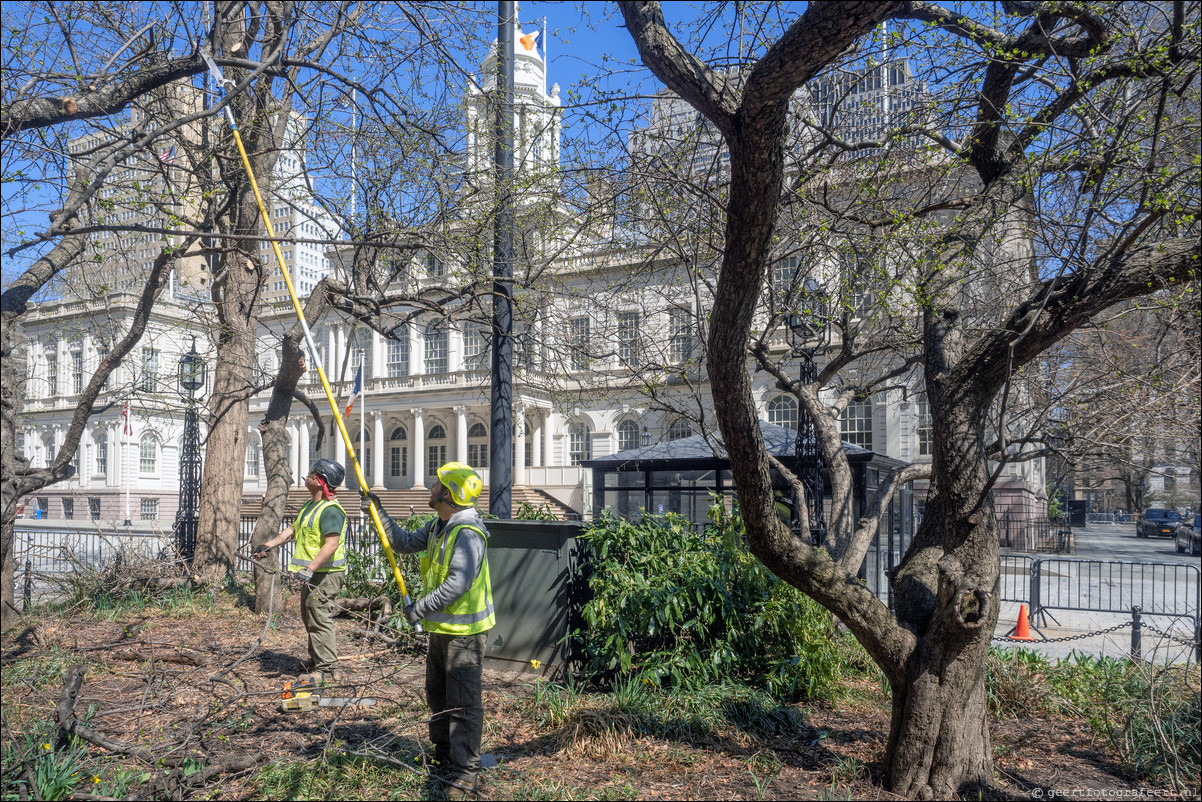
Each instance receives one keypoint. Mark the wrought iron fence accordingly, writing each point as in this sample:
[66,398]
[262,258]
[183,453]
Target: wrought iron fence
[1033,533]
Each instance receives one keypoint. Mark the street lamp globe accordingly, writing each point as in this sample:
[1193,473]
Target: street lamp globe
[191,371]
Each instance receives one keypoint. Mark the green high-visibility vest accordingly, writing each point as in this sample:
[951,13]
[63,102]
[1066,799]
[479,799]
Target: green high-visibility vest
[309,538]
[472,612]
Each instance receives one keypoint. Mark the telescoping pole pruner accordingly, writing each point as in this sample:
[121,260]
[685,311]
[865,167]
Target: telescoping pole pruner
[221,82]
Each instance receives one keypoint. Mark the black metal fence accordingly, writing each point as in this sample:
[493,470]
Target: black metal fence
[1169,589]
[1035,533]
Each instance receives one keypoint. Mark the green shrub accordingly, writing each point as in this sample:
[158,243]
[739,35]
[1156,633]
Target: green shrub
[675,607]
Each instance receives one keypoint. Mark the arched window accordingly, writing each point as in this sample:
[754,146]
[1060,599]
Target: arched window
[102,455]
[398,457]
[477,446]
[680,429]
[782,411]
[436,449]
[254,456]
[436,347]
[628,435]
[148,454]
[580,443]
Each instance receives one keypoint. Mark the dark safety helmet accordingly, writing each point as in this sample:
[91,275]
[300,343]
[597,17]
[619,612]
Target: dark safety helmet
[329,470]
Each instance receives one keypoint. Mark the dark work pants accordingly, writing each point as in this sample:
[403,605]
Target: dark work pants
[453,691]
[317,613]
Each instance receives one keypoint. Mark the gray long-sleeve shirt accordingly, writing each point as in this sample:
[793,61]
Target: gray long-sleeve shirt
[467,556]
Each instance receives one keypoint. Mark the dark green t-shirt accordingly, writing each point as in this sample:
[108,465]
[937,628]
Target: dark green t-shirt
[332,519]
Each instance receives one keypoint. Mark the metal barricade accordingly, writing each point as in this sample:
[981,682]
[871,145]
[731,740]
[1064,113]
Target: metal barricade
[1169,589]
[1015,578]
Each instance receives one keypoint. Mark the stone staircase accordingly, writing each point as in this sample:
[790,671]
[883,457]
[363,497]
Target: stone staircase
[403,503]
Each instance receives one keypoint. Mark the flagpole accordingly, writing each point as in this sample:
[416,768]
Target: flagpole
[362,415]
[126,432]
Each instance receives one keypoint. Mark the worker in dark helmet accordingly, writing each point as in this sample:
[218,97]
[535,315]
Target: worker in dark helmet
[457,610]
[318,563]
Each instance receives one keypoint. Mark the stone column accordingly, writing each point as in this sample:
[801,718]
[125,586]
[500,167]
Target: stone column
[377,454]
[419,449]
[461,434]
[519,444]
[548,442]
[302,448]
[536,449]
[378,368]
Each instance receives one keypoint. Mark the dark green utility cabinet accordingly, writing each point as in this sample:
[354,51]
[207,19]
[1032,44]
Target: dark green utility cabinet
[539,587]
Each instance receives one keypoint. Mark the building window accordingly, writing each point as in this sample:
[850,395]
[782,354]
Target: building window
[782,411]
[69,508]
[254,455]
[628,337]
[628,435]
[77,372]
[856,423]
[150,370]
[399,462]
[398,354]
[475,348]
[579,343]
[361,351]
[477,446]
[436,449]
[51,374]
[43,508]
[102,455]
[580,444]
[680,336]
[784,280]
[922,427]
[436,347]
[680,429]
[94,508]
[434,266]
[148,453]
[150,509]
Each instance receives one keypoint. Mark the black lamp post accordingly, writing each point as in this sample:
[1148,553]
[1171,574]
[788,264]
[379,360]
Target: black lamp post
[811,328]
[191,379]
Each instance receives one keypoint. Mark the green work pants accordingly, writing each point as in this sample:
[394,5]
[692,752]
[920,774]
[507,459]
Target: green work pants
[453,690]
[317,613]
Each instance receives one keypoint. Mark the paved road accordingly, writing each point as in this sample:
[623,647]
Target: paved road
[1101,586]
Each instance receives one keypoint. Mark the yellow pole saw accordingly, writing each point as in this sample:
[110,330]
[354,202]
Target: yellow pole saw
[313,353]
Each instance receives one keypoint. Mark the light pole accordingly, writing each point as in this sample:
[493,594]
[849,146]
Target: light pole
[191,379]
[811,328]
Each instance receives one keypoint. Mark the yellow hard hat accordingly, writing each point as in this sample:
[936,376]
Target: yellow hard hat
[462,481]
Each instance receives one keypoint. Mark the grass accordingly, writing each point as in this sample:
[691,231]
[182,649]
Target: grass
[339,776]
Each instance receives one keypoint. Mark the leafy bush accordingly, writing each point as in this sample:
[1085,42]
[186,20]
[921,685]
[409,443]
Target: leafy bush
[674,607]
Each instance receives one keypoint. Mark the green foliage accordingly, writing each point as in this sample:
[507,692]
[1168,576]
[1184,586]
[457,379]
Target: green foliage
[535,512]
[673,607]
[342,776]
[59,769]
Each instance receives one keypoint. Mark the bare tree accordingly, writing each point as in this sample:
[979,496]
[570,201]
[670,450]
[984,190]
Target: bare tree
[1034,69]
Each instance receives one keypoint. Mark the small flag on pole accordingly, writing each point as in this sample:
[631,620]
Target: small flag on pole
[129,427]
[356,390]
[168,156]
[533,42]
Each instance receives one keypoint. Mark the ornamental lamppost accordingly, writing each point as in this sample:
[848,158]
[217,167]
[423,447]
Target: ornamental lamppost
[812,332]
[191,379]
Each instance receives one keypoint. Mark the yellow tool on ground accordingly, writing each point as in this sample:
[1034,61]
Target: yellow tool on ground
[304,695]
[314,357]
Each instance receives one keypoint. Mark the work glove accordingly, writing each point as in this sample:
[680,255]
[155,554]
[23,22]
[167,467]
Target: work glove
[260,553]
[366,499]
[411,615]
[304,576]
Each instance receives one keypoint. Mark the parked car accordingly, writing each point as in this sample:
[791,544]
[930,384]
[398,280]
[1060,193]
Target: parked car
[1189,535]
[1155,522]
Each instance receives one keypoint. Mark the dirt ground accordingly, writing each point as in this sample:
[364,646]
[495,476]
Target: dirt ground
[166,683]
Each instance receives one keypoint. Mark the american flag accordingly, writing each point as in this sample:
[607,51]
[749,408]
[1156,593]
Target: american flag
[129,426]
[168,155]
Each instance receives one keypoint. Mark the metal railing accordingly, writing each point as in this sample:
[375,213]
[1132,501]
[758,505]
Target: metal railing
[1109,518]
[1169,589]
[1035,534]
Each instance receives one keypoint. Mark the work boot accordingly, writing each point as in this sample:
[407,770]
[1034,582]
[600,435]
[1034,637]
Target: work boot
[462,789]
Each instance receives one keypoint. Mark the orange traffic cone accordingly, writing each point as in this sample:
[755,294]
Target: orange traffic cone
[1023,630]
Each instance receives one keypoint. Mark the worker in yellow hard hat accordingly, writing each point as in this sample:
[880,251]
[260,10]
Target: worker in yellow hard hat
[457,610]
